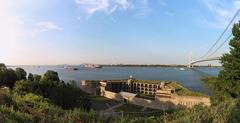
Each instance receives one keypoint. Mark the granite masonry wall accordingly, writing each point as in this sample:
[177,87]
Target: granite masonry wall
[162,103]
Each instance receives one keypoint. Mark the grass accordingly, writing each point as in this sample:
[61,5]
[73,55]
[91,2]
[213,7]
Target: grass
[150,81]
[120,80]
[125,80]
[182,91]
[93,81]
[134,108]
[130,110]
[101,103]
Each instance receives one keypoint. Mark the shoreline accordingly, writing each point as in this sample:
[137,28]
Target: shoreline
[118,65]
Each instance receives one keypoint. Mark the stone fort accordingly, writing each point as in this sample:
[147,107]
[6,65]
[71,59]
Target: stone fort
[136,86]
[164,95]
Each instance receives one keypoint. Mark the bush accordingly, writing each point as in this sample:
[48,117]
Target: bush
[65,95]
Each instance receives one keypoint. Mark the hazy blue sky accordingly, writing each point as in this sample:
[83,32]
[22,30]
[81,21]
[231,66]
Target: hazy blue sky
[110,31]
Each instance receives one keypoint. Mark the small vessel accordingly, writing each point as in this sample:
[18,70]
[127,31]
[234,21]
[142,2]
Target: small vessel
[93,66]
[98,66]
[71,68]
[182,69]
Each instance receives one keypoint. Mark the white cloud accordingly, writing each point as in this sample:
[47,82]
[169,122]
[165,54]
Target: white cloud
[48,25]
[144,9]
[222,11]
[124,4]
[110,6]
[91,6]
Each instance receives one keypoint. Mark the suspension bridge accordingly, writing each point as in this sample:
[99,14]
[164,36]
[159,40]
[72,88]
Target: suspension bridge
[191,64]
[208,56]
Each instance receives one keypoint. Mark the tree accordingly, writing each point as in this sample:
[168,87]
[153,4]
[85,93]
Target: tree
[229,77]
[37,77]
[2,66]
[8,77]
[50,76]
[21,74]
[73,83]
[30,77]
[3,71]
[3,74]
[11,78]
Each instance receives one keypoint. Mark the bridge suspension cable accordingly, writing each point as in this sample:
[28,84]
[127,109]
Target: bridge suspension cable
[220,37]
[226,40]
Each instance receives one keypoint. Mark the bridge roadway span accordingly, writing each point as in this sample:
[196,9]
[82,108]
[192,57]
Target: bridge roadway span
[203,60]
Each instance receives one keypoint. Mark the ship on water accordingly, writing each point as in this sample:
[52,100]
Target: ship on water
[71,68]
[92,66]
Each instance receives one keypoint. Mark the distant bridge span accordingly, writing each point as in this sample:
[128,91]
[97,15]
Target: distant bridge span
[191,63]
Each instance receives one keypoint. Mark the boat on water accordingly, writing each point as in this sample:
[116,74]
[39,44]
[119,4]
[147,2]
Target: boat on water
[71,68]
[92,66]
[182,69]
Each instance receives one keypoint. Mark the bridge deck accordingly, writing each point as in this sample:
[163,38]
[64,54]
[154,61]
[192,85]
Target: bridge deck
[203,60]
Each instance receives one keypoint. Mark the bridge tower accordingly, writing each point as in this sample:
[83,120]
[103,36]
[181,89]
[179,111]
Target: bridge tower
[190,65]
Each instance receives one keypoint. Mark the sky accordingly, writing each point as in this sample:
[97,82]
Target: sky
[36,32]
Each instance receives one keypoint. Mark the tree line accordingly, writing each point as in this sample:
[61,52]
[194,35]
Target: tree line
[66,95]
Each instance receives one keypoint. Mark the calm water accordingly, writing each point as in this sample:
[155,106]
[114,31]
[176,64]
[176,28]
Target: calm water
[189,78]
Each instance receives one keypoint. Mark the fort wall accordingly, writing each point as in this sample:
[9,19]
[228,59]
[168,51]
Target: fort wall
[161,102]
[112,95]
[138,101]
[185,101]
[151,103]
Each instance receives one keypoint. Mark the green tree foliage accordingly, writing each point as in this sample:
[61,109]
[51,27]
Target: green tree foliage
[21,74]
[2,66]
[229,77]
[11,78]
[199,114]
[3,73]
[30,77]
[65,95]
[50,76]
[37,77]
[8,77]
[32,108]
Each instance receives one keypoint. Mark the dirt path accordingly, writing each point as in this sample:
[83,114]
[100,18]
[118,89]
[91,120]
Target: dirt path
[112,109]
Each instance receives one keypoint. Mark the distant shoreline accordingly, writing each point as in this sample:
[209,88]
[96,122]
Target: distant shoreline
[118,65]
[132,65]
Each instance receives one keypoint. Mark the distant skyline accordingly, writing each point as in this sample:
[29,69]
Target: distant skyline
[48,32]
